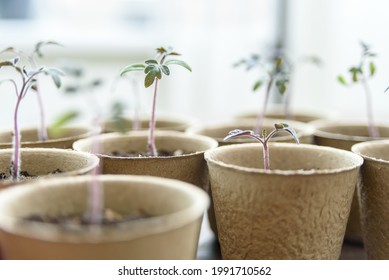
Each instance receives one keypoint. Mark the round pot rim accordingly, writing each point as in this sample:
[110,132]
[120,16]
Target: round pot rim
[356,148]
[94,159]
[321,124]
[143,135]
[358,160]
[88,132]
[123,232]
[302,129]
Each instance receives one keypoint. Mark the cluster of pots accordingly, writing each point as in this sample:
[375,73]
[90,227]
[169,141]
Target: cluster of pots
[330,188]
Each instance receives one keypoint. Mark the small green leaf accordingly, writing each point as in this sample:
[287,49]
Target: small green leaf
[257,85]
[165,70]
[174,53]
[161,50]
[281,85]
[372,68]
[178,62]
[132,67]
[355,77]
[150,68]
[39,45]
[57,127]
[341,80]
[151,61]
[149,79]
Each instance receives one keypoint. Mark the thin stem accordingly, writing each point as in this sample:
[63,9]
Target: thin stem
[373,131]
[96,191]
[262,114]
[266,161]
[16,142]
[151,141]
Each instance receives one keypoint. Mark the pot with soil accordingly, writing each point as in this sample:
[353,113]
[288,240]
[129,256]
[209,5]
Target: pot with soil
[219,131]
[296,210]
[148,218]
[180,156]
[44,162]
[343,135]
[374,196]
[62,140]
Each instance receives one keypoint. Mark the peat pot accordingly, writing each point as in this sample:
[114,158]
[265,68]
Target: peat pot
[170,231]
[64,140]
[374,197]
[344,135]
[48,162]
[298,210]
[189,167]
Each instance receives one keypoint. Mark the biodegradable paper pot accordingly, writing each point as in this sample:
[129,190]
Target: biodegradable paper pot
[173,123]
[30,138]
[374,197]
[171,233]
[344,136]
[43,161]
[219,131]
[298,210]
[190,167]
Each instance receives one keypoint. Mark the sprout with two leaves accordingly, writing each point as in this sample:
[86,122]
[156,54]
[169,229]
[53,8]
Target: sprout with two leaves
[31,59]
[154,71]
[277,73]
[358,75]
[264,138]
[28,80]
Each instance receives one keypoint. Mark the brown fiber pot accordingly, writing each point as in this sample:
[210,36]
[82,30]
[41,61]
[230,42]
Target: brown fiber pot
[30,138]
[190,167]
[174,123]
[374,197]
[43,161]
[172,231]
[344,135]
[219,131]
[298,210]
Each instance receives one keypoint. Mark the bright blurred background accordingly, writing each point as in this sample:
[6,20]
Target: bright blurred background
[105,36]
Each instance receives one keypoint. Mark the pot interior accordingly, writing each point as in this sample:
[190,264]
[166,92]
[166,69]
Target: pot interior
[373,149]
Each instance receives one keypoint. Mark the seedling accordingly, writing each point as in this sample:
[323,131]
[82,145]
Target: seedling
[31,58]
[264,138]
[27,82]
[154,70]
[359,74]
[277,73]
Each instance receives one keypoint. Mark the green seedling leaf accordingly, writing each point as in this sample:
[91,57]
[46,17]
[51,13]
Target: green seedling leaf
[341,80]
[151,61]
[39,46]
[165,70]
[178,62]
[281,85]
[372,68]
[257,85]
[161,50]
[56,129]
[150,78]
[132,67]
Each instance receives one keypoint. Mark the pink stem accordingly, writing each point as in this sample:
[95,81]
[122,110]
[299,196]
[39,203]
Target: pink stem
[151,140]
[373,131]
[16,141]
[95,189]
[266,161]
[262,114]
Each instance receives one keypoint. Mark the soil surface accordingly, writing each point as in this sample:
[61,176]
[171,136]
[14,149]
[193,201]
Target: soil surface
[109,217]
[161,153]
[25,174]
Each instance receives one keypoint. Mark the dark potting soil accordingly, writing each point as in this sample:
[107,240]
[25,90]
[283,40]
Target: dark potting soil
[109,217]
[132,154]
[25,174]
